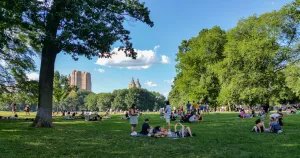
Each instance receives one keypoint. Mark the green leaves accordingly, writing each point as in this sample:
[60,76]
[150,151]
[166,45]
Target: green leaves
[244,65]
[61,87]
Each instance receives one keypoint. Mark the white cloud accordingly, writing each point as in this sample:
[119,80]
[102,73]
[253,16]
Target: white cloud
[145,59]
[150,84]
[33,76]
[101,70]
[169,81]
[165,60]
[156,47]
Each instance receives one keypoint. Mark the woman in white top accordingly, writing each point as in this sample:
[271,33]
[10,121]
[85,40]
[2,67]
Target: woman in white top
[133,119]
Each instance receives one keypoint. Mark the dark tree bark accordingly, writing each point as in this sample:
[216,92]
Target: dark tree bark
[44,112]
[49,52]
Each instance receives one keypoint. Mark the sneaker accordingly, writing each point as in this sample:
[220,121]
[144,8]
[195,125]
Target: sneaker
[133,133]
[280,131]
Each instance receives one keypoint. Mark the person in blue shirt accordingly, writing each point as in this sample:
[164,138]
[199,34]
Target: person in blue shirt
[188,106]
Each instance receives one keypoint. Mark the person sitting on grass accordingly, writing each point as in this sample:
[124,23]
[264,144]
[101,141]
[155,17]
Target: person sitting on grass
[68,116]
[126,117]
[242,114]
[274,126]
[253,113]
[183,132]
[262,114]
[293,110]
[73,115]
[175,114]
[186,117]
[259,126]
[106,115]
[180,113]
[172,117]
[196,118]
[146,128]
[200,117]
[280,117]
[193,118]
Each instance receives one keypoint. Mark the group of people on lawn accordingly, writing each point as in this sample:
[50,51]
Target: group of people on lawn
[275,124]
[159,131]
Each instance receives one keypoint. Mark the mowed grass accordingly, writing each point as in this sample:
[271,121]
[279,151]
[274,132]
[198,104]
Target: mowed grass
[220,135]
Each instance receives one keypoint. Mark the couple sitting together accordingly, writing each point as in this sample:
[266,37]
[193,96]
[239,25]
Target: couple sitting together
[192,117]
[274,126]
[161,132]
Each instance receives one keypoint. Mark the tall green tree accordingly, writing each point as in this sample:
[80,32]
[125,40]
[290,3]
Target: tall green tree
[91,100]
[196,58]
[61,88]
[258,48]
[104,101]
[81,27]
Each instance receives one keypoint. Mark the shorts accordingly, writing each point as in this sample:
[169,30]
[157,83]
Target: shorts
[133,120]
[167,118]
[262,116]
[186,133]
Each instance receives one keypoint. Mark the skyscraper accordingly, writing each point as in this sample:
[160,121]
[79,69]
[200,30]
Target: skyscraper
[86,81]
[81,80]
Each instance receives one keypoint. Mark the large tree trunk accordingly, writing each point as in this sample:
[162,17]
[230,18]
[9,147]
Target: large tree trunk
[44,112]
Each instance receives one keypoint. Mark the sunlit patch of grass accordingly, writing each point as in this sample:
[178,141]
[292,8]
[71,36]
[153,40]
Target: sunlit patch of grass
[11,130]
[290,145]
[35,143]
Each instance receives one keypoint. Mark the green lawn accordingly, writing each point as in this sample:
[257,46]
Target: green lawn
[220,135]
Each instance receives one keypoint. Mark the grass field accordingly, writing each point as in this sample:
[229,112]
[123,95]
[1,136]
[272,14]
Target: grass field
[220,135]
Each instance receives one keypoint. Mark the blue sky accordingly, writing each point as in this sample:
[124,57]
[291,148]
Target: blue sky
[174,21]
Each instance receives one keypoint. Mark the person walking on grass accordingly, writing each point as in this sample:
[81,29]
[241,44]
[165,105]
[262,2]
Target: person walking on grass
[13,107]
[168,114]
[27,109]
[133,119]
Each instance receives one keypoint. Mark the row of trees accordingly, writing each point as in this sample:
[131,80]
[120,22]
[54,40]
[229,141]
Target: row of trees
[256,62]
[124,98]
[48,27]
[69,98]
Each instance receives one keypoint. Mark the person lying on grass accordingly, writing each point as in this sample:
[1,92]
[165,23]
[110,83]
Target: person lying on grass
[259,126]
[14,118]
[184,131]
[146,128]
[159,132]
[96,118]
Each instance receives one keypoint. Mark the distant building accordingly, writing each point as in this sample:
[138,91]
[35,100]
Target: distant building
[132,84]
[82,80]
